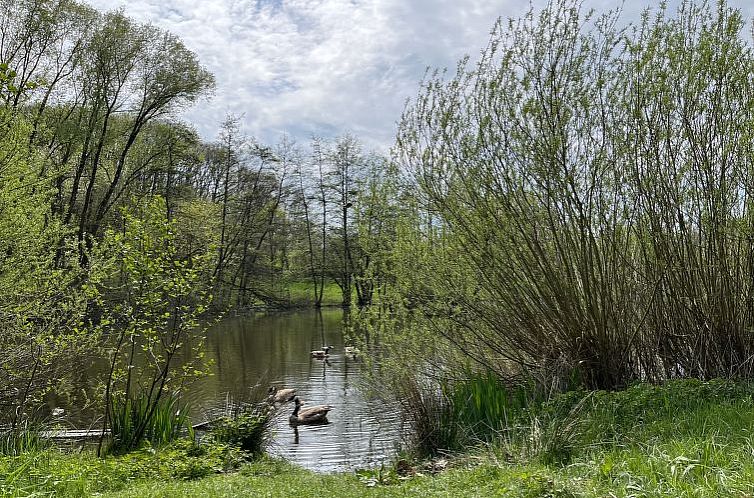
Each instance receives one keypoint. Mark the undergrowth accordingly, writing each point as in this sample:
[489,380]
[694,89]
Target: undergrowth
[684,438]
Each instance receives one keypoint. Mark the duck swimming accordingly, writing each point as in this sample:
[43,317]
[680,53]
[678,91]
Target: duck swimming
[312,415]
[321,353]
[276,395]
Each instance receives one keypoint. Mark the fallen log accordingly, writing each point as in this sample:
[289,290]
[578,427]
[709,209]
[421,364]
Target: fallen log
[73,434]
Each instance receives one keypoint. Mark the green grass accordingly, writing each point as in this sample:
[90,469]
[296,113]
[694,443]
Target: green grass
[274,479]
[686,438]
[302,293]
[55,473]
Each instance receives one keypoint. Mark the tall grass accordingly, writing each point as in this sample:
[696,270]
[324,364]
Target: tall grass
[484,407]
[430,416]
[25,439]
[480,409]
[136,420]
[446,416]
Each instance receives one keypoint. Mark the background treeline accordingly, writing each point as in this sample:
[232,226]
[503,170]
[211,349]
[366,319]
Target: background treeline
[97,95]
[110,206]
[583,211]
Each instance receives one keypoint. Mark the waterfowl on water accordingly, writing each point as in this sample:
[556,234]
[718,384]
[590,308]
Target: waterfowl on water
[321,353]
[352,351]
[312,415]
[280,395]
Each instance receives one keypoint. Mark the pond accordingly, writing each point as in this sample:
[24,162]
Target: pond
[276,347]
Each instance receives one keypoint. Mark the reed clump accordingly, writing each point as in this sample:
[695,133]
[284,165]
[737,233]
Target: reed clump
[449,416]
[26,438]
[138,419]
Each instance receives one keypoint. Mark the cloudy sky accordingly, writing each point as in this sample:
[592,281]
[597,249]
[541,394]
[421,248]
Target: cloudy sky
[326,67]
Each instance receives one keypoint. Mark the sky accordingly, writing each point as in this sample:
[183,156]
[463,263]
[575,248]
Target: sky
[328,67]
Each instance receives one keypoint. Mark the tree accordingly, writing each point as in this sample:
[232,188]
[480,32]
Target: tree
[44,308]
[159,291]
[130,75]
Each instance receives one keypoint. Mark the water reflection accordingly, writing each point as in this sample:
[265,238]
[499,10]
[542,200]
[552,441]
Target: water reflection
[277,347]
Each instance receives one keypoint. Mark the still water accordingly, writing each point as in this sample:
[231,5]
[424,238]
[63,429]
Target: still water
[275,349]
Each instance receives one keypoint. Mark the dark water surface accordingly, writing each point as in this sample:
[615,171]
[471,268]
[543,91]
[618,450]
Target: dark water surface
[276,347]
[264,349]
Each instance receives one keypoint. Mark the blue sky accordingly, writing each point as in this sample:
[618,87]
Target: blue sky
[326,67]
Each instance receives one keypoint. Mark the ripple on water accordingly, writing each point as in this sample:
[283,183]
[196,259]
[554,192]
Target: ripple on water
[245,351]
[360,433]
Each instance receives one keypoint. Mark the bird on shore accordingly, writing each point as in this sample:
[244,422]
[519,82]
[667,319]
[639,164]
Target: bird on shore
[280,395]
[321,353]
[312,415]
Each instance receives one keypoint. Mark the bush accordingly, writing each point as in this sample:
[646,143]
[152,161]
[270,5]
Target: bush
[248,430]
[578,202]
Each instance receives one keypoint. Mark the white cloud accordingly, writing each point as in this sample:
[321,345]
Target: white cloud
[325,66]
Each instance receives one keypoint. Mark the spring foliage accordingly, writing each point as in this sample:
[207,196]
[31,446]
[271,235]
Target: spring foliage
[583,207]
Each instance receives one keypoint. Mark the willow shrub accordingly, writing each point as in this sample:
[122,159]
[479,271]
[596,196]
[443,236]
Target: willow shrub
[579,203]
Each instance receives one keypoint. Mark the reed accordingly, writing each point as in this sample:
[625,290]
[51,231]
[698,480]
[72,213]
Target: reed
[24,439]
[135,420]
[452,415]
[485,406]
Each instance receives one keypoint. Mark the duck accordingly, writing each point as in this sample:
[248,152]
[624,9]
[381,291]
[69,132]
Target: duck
[312,415]
[280,395]
[321,353]
[352,351]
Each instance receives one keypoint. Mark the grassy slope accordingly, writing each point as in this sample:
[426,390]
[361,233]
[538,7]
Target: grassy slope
[302,294]
[683,439]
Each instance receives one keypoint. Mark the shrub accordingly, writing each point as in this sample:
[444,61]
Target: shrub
[248,430]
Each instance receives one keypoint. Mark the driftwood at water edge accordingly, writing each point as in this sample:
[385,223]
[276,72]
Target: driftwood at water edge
[95,433]
[74,434]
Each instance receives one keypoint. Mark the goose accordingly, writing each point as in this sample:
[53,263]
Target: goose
[321,353]
[312,415]
[280,395]
[352,351]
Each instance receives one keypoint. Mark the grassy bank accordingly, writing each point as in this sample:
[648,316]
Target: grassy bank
[302,294]
[686,438]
